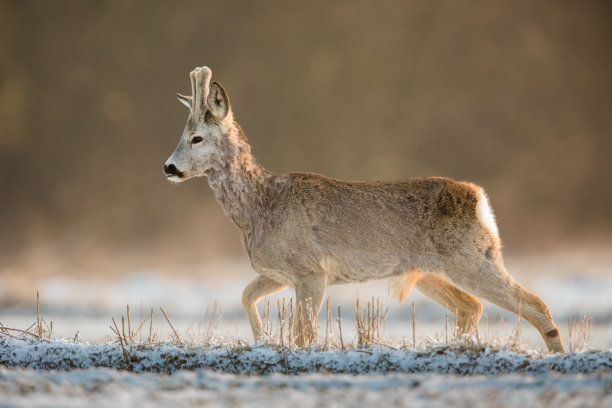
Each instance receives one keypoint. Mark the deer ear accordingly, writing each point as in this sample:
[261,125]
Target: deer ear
[217,101]
[185,100]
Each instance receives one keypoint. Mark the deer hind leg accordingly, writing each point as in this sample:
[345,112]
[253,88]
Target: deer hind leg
[309,298]
[402,284]
[494,284]
[258,288]
[466,308]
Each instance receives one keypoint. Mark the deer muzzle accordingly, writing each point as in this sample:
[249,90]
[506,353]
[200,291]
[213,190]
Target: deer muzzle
[170,170]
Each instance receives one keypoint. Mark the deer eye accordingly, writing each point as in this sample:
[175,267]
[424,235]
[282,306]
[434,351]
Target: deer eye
[196,139]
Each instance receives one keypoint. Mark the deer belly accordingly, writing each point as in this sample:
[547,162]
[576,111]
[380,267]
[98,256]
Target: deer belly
[361,268]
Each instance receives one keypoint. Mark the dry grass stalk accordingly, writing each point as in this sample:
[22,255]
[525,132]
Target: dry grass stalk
[300,316]
[340,328]
[312,322]
[446,324]
[290,325]
[38,324]
[328,327]
[150,327]
[265,320]
[370,322]
[128,338]
[413,325]
[487,334]
[42,329]
[130,333]
[359,324]
[138,330]
[121,341]
[178,338]
[6,331]
[579,332]
[201,320]
[281,320]
[212,318]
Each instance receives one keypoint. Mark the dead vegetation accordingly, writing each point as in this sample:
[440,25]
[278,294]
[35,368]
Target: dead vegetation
[40,329]
[579,332]
[279,323]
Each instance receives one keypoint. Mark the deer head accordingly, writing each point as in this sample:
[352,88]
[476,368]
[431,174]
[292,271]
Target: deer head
[209,124]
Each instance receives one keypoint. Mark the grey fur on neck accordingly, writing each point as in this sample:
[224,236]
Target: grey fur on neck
[247,192]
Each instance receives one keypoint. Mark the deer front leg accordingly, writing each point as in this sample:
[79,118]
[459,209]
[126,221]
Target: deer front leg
[309,298]
[257,289]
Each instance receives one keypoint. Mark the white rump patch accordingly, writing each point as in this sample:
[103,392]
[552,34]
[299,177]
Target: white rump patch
[484,213]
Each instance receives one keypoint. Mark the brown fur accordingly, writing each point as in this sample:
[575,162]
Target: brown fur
[309,231]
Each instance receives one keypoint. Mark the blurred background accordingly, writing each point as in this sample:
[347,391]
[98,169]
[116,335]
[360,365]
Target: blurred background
[514,96]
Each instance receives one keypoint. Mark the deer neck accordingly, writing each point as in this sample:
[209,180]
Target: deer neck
[242,187]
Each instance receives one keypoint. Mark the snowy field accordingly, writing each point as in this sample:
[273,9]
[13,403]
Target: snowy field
[64,373]
[102,387]
[82,364]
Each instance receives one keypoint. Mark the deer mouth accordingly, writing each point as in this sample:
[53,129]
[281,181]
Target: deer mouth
[175,179]
[179,175]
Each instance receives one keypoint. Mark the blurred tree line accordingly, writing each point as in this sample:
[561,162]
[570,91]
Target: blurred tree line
[515,96]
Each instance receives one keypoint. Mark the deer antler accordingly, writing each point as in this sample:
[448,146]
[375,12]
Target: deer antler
[200,81]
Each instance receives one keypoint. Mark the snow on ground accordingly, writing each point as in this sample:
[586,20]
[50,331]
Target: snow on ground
[457,358]
[102,387]
[63,373]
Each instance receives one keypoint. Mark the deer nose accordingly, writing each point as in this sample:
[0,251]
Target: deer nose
[170,170]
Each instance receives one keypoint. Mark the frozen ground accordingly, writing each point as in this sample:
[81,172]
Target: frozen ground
[460,357]
[64,373]
[102,387]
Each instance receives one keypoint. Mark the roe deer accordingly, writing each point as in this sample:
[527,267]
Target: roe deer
[308,231]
